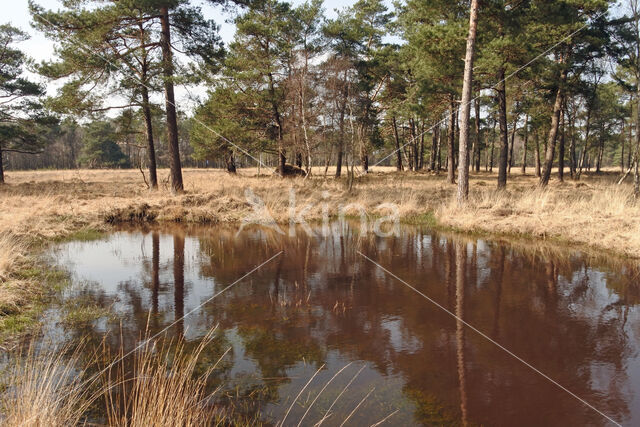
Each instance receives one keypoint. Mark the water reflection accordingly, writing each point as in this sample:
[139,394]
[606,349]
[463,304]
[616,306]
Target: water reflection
[155,273]
[461,272]
[320,303]
[178,283]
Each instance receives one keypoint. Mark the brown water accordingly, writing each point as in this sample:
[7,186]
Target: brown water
[322,304]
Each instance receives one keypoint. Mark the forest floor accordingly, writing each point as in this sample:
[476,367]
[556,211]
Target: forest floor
[593,214]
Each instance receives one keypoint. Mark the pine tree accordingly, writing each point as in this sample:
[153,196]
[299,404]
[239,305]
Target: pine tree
[103,52]
[551,21]
[100,147]
[259,65]
[24,122]
[503,50]
[435,32]
[227,112]
[369,20]
[115,46]
[341,78]
[467,86]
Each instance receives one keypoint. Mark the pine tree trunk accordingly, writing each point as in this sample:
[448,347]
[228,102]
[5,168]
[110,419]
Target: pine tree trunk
[230,162]
[636,175]
[421,150]
[339,164]
[282,160]
[561,150]
[467,86]
[303,116]
[586,142]
[407,157]
[343,110]
[636,171]
[599,158]
[1,167]
[478,141]
[622,148]
[414,144]
[397,141]
[170,105]
[451,144]
[636,178]
[504,138]
[537,153]
[493,146]
[572,147]
[439,154]
[524,145]
[434,147]
[472,154]
[553,131]
[327,161]
[456,142]
[513,142]
[151,149]
[72,152]
[630,143]
[146,111]
[364,155]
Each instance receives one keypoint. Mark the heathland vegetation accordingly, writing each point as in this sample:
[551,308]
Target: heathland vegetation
[532,107]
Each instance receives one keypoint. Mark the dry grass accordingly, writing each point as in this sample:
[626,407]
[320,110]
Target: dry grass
[11,250]
[599,215]
[15,292]
[162,389]
[44,390]
[160,385]
[12,290]
[593,212]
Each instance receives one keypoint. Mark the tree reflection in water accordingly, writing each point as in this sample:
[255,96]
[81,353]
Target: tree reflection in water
[571,316]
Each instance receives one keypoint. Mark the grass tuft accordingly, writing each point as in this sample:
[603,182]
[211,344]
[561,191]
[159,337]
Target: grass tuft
[44,389]
[162,388]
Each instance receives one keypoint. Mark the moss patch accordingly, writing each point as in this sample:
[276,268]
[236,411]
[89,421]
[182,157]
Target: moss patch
[38,284]
[426,218]
[83,234]
[82,314]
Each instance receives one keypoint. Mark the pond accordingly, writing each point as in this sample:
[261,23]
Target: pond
[427,328]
